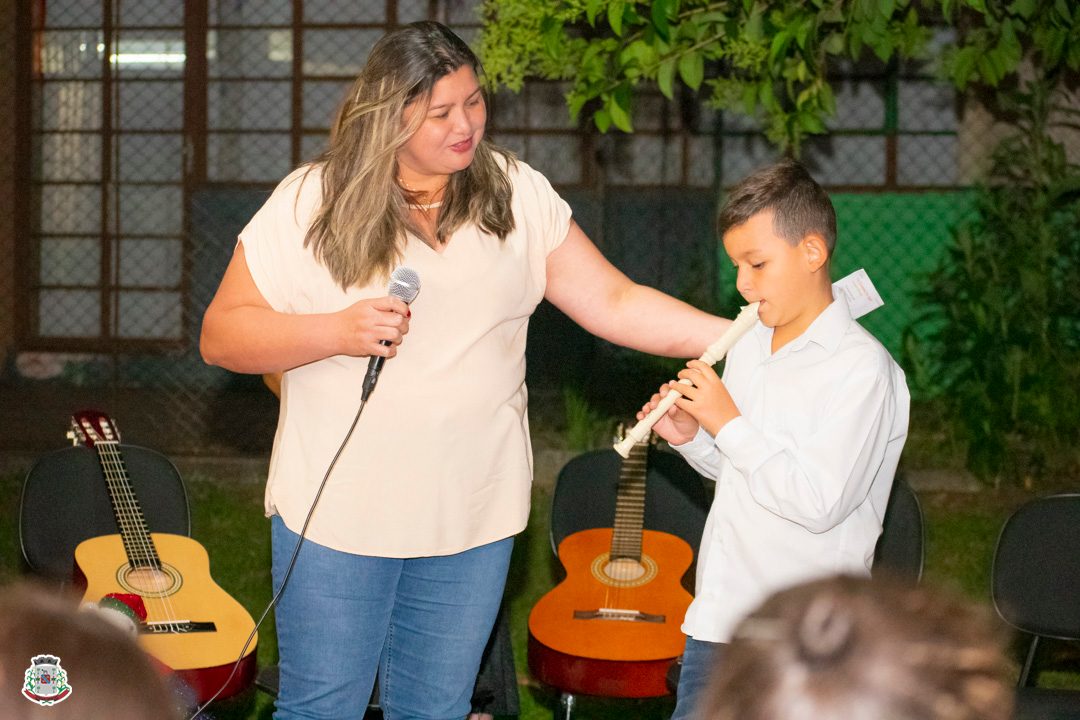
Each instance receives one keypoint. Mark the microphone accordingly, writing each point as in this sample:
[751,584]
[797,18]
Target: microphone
[404,285]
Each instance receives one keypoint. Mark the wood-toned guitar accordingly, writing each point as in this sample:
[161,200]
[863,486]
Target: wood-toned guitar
[192,626]
[611,628]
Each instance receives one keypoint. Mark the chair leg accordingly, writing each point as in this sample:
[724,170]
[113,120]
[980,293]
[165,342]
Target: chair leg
[1029,662]
[566,704]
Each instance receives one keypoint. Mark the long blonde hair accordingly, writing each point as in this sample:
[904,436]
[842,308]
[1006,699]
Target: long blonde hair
[358,232]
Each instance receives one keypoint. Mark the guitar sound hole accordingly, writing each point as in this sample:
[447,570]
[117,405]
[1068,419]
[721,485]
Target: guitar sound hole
[150,582]
[624,570]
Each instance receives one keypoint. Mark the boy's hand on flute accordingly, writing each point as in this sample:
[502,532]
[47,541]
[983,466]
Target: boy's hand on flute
[676,426]
[706,399]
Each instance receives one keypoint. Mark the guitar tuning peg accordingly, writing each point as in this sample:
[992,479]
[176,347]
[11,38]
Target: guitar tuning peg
[70,435]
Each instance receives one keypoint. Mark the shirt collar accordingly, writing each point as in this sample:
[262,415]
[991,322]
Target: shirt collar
[826,331]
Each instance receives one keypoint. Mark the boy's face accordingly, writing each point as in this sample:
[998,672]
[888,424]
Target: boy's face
[783,277]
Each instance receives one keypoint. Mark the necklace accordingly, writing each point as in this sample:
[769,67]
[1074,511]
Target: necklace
[410,190]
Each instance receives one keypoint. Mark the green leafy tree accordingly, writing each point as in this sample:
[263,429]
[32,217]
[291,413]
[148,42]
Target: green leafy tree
[764,58]
[1000,340]
[996,37]
[1003,308]
[768,59]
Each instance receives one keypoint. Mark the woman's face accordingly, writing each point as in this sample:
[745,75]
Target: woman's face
[452,127]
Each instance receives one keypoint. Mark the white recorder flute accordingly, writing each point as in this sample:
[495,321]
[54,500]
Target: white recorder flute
[713,354]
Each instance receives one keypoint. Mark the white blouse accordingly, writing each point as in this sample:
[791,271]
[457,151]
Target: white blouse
[440,460]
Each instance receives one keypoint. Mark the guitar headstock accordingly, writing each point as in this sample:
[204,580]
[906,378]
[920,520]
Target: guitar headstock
[91,427]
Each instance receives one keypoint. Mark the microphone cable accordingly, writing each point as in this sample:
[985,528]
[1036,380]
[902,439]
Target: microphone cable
[404,285]
[292,564]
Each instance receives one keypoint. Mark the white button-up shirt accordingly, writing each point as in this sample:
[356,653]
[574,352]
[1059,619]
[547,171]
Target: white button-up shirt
[804,474]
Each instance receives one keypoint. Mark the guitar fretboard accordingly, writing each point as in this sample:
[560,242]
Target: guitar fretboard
[630,505]
[134,532]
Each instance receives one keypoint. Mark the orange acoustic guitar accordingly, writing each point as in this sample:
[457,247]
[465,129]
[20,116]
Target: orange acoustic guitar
[192,626]
[611,628]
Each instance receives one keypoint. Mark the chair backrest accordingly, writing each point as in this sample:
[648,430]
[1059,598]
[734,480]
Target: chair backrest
[676,501]
[65,501]
[899,550]
[1035,579]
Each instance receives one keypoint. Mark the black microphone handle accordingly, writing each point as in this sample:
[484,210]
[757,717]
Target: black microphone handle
[374,367]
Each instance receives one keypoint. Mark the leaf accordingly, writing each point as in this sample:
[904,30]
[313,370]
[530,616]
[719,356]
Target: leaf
[834,13]
[803,96]
[780,42]
[665,78]
[1009,47]
[754,30]
[811,122]
[749,98]
[988,68]
[615,16]
[619,107]
[551,32]
[574,103]
[660,9]
[639,54]
[834,43]
[602,118]
[692,69]
[826,99]
[963,65]
[592,9]
[1023,8]
[766,95]
[803,31]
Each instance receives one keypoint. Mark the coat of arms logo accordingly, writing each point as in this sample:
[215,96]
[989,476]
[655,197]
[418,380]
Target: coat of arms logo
[46,682]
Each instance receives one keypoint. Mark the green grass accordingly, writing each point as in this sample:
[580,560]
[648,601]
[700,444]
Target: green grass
[228,520]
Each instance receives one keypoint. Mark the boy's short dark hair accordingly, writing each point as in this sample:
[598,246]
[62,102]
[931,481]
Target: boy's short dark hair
[799,204]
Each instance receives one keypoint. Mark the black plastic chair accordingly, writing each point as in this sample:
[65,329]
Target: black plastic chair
[65,501]
[1035,587]
[900,549]
[676,502]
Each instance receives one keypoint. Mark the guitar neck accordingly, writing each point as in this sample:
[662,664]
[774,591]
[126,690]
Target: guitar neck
[134,532]
[630,505]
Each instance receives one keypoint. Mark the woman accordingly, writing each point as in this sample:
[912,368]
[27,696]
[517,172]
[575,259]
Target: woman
[407,550]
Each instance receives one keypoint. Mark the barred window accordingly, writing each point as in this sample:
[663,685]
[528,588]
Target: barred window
[136,104]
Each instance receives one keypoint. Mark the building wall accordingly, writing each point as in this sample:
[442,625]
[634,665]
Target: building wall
[8,99]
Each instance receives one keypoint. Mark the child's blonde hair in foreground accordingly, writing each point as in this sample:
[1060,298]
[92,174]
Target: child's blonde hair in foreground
[848,648]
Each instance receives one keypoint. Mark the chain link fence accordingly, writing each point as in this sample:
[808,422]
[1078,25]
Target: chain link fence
[147,134]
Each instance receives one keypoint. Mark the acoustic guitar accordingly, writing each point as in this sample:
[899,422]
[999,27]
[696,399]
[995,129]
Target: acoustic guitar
[611,628]
[192,626]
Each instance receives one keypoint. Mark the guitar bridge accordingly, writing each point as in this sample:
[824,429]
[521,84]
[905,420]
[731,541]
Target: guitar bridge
[618,614]
[176,627]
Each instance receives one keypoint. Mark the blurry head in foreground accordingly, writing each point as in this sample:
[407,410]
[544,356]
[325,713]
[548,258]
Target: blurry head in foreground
[52,649]
[851,647]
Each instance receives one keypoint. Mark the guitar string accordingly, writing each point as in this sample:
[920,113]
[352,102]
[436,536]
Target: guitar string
[624,568]
[127,515]
[130,516]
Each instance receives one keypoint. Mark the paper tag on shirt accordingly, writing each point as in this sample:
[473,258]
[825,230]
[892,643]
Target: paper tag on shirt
[860,293]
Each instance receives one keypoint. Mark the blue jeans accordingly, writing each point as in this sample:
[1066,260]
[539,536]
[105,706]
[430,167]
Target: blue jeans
[698,664]
[422,623]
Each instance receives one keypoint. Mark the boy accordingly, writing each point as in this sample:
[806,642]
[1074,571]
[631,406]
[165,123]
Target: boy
[803,433]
